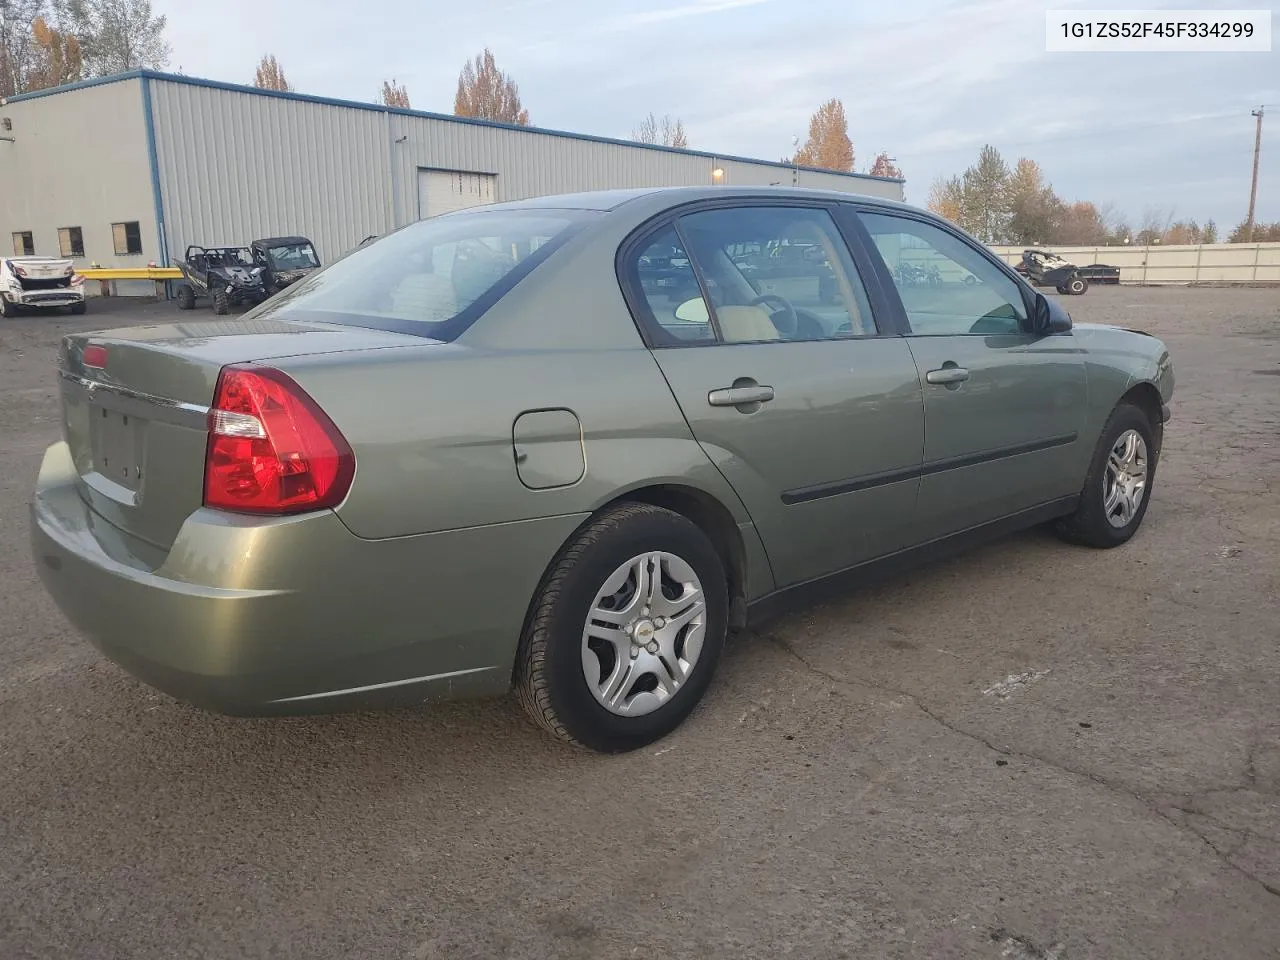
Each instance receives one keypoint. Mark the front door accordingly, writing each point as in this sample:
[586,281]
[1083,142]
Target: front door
[763,329]
[1004,408]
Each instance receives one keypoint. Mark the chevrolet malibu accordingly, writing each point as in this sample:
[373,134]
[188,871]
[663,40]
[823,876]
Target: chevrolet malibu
[564,445]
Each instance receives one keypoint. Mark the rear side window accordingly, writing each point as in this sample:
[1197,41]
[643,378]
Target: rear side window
[23,244]
[666,279]
[432,278]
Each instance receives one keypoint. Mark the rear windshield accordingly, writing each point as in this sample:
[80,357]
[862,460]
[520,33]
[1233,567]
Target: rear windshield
[432,278]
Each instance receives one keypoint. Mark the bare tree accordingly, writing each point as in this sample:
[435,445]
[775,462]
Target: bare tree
[665,132]
[1155,224]
[115,36]
[487,93]
[394,94]
[270,75]
[828,146]
[17,43]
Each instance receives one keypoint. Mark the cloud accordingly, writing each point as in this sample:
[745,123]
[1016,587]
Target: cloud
[646,18]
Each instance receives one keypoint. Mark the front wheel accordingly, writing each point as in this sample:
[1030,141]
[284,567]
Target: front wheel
[625,631]
[221,302]
[1118,488]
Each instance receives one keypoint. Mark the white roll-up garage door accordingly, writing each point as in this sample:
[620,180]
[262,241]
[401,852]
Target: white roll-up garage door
[443,191]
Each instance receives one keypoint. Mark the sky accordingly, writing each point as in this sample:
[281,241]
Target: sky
[930,81]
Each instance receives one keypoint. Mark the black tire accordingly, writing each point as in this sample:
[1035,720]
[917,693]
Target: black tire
[221,303]
[1089,526]
[79,309]
[1061,288]
[7,309]
[1076,286]
[186,297]
[549,677]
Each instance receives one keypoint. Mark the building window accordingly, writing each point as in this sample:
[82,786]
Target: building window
[23,245]
[70,242]
[128,238]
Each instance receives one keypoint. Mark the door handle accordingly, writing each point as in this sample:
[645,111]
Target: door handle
[740,396]
[947,375]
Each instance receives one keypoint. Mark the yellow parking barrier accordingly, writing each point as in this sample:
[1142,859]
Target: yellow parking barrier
[131,273]
[106,275]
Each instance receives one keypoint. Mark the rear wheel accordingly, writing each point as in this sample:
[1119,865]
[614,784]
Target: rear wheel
[626,630]
[221,302]
[186,297]
[1076,286]
[79,308]
[7,309]
[1118,488]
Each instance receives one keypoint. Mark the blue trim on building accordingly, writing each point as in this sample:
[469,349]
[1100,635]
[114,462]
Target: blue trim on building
[154,159]
[146,75]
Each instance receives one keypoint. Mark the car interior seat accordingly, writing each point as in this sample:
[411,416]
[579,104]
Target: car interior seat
[740,324]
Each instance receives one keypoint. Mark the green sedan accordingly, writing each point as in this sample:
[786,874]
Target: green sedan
[565,444]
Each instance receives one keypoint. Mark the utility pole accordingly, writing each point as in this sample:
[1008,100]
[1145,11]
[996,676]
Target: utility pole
[1253,191]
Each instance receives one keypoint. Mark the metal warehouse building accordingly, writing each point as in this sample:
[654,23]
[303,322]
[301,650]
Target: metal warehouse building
[130,169]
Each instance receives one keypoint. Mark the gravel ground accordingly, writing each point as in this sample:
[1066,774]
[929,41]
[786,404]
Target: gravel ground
[1032,751]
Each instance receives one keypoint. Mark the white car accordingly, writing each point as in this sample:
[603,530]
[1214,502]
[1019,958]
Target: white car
[41,282]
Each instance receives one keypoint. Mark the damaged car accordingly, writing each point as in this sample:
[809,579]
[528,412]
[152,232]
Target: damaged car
[45,283]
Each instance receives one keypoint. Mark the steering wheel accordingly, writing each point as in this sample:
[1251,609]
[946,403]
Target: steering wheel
[784,306]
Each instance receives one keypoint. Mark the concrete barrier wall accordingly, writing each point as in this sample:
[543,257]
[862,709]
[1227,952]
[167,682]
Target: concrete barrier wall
[1200,263]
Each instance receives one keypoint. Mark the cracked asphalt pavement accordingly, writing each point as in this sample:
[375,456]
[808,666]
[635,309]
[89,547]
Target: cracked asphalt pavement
[1031,751]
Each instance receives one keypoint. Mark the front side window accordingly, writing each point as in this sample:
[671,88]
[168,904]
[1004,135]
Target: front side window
[777,273]
[292,256]
[947,288]
[432,278]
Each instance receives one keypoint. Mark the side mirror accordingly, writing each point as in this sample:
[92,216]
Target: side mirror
[1049,317]
[693,311]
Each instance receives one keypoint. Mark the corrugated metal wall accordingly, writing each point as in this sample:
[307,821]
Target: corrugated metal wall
[78,159]
[236,165]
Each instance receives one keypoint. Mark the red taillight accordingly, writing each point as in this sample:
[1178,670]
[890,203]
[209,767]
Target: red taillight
[95,356]
[271,448]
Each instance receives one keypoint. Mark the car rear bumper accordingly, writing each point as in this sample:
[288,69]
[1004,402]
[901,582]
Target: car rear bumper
[46,298]
[256,616]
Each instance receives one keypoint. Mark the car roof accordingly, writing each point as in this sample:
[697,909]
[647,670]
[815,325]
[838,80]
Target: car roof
[605,200]
[280,241]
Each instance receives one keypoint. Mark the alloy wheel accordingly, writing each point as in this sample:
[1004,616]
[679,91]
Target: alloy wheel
[1124,484]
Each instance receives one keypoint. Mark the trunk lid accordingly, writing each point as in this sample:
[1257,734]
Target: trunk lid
[135,415]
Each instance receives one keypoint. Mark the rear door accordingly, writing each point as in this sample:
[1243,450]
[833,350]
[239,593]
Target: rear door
[762,326]
[1004,408]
